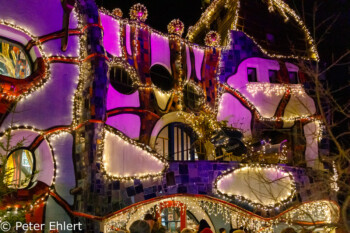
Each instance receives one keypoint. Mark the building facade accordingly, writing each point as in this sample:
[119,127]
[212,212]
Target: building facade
[111,119]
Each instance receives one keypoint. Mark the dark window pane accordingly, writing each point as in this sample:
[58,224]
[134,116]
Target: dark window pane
[252,77]
[121,80]
[192,97]
[273,76]
[161,77]
[293,77]
[270,38]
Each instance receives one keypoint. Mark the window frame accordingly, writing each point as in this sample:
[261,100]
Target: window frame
[30,181]
[117,84]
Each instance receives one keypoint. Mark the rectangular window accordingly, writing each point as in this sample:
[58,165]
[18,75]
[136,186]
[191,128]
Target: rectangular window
[273,76]
[293,77]
[251,72]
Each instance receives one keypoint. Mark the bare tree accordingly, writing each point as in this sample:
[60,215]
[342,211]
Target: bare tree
[331,102]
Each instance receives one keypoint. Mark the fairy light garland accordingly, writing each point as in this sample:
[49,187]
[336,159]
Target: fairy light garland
[334,178]
[282,7]
[252,107]
[117,12]
[256,167]
[138,12]
[311,212]
[47,74]
[270,89]
[176,27]
[212,39]
[196,205]
[230,214]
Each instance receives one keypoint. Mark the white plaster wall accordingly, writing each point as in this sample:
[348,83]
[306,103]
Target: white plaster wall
[129,124]
[124,159]
[44,164]
[160,51]
[65,176]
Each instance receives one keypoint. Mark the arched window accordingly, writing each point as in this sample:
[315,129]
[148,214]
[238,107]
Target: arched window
[121,80]
[161,77]
[14,61]
[175,142]
[19,168]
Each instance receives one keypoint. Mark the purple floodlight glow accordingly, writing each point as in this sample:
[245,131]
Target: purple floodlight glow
[188,62]
[13,34]
[160,51]
[116,99]
[127,34]
[129,124]
[111,36]
[198,56]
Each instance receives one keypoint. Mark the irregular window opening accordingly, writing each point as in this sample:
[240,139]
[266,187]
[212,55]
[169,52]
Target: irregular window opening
[252,77]
[121,80]
[161,77]
[19,168]
[273,76]
[192,97]
[293,77]
[14,61]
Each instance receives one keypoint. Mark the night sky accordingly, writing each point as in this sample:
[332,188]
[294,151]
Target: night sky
[160,12]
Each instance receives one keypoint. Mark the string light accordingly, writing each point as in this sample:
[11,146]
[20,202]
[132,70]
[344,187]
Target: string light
[176,27]
[138,12]
[282,7]
[334,178]
[270,89]
[212,39]
[325,211]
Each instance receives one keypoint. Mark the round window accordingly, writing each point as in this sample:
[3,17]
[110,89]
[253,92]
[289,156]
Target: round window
[161,77]
[19,168]
[14,62]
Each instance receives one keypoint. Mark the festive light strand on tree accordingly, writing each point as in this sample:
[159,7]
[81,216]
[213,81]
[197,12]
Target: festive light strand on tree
[257,168]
